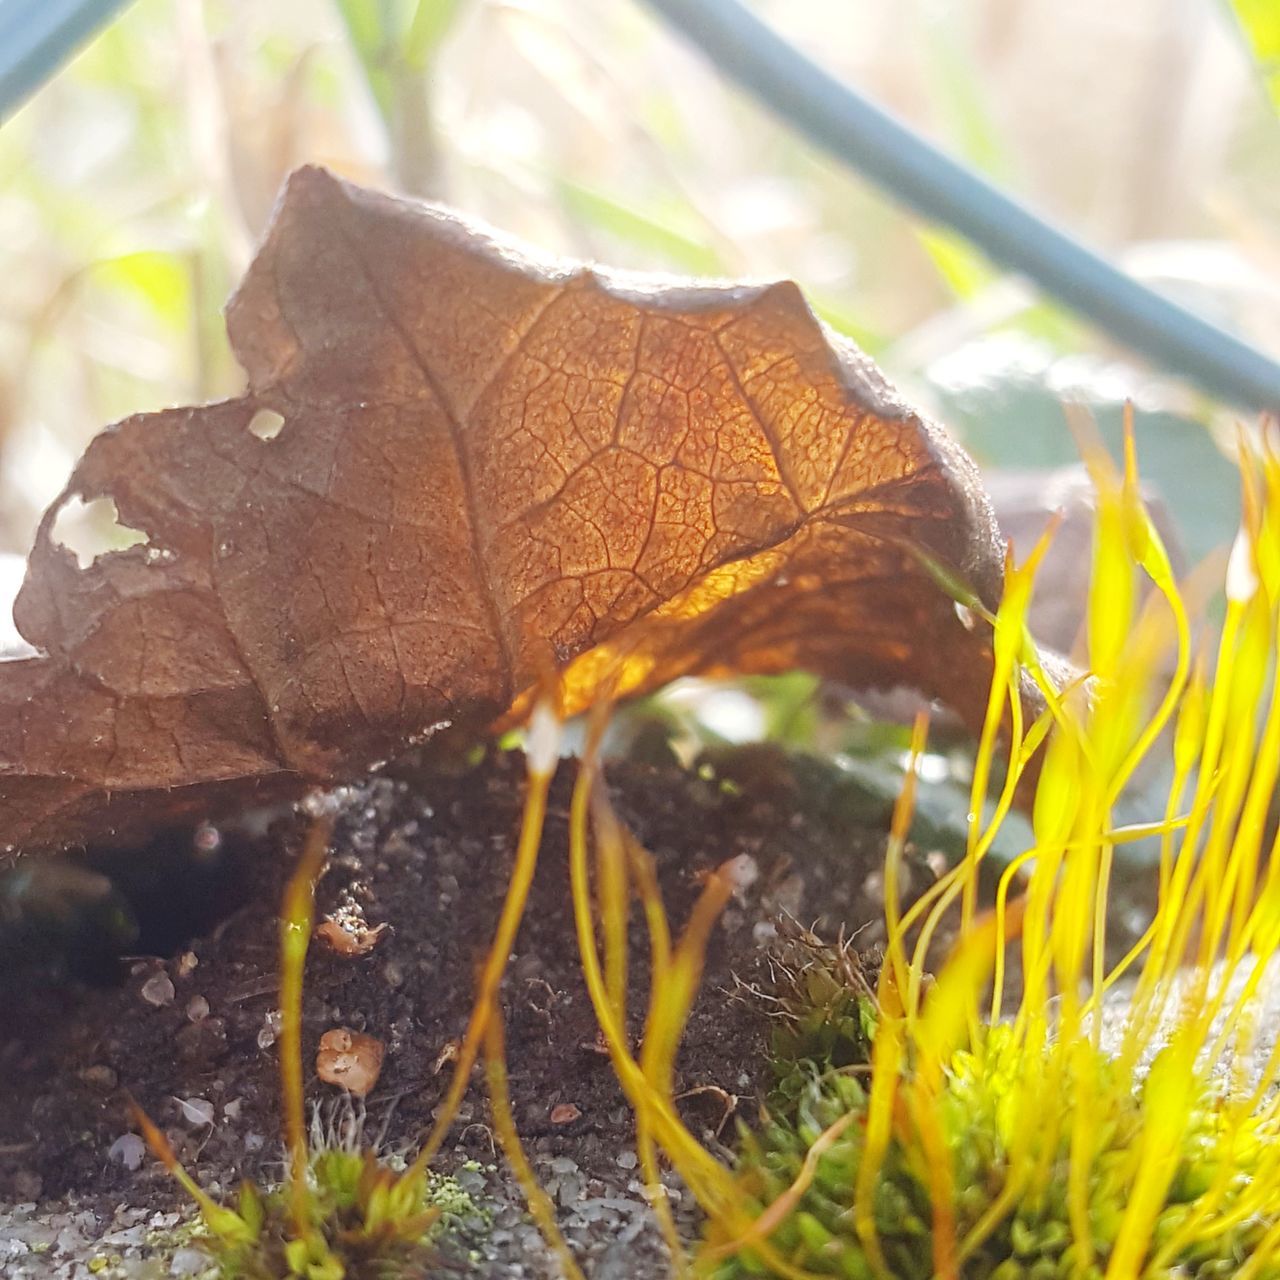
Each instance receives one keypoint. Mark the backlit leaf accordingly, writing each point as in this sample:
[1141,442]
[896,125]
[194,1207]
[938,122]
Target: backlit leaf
[455,469]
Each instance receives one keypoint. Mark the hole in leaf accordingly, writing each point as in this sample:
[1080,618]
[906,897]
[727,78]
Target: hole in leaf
[92,529]
[12,645]
[266,424]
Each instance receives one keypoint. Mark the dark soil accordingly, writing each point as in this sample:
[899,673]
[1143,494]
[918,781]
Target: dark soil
[429,856]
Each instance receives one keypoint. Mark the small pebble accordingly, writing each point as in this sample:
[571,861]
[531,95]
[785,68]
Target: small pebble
[196,1111]
[616,1262]
[197,1008]
[269,1030]
[158,989]
[127,1238]
[100,1076]
[873,887]
[188,1262]
[569,1192]
[128,1150]
[71,1240]
[742,872]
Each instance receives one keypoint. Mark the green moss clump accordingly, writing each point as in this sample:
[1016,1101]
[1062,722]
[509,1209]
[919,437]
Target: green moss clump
[1034,1241]
[824,1010]
[367,1222]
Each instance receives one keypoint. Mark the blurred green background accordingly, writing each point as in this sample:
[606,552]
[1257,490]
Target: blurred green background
[133,186]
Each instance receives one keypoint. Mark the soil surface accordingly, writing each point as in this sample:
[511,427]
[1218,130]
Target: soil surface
[192,1036]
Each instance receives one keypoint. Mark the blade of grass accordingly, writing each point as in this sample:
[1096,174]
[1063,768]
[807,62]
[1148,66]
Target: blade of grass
[432,21]
[371,41]
[645,228]
[1259,22]
[542,757]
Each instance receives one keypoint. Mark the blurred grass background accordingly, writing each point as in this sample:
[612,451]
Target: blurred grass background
[133,186]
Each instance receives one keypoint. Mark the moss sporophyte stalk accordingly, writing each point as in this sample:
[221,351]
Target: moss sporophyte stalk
[342,1211]
[1031,1108]
[1047,1135]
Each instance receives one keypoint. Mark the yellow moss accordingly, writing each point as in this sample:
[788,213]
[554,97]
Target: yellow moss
[1014,1143]
[1007,1140]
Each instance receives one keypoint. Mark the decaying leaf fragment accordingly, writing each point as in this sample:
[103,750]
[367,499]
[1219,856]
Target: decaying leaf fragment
[475,465]
[349,1059]
[349,937]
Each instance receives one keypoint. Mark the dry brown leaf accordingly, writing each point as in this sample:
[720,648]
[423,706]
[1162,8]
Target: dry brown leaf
[484,465]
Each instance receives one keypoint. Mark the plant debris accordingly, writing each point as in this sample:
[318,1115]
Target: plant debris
[484,466]
[349,1059]
[349,936]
